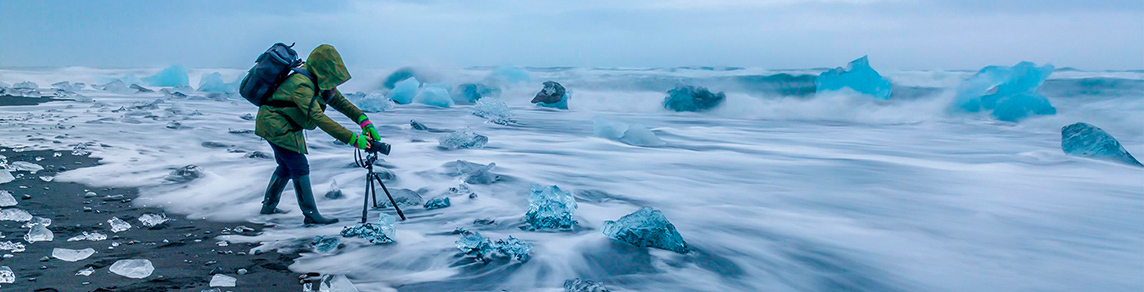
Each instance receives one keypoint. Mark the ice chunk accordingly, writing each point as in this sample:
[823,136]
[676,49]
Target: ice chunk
[378,233]
[47,178]
[133,268]
[687,98]
[85,271]
[68,86]
[12,246]
[434,96]
[6,177]
[401,74]
[212,82]
[151,220]
[646,227]
[25,85]
[507,75]
[72,255]
[463,139]
[494,110]
[404,91]
[578,285]
[80,150]
[325,244]
[418,126]
[45,222]
[94,236]
[334,192]
[1086,140]
[13,214]
[371,102]
[552,95]
[473,173]
[1009,92]
[634,134]
[186,173]
[116,87]
[472,92]
[859,76]
[437,203]
[334,283]
[6,199]
[171,76]
[514,248]
[138,88]
[220,280]
[25,166]
[473,244]
[403,197]
[247,116]
[550,208]
[6,275]
[118,225]
[39,233]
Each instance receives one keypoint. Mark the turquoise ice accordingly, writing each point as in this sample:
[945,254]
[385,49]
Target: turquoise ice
[687,98]
[1009,93]
[437,203]
[213,82]
[169,77]
[404,91]
[434,96]
[381,232]
[859,76]
[550,208]
[646,227]
[1086,140]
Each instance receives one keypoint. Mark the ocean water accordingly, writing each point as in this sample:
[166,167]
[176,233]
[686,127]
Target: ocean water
[776,190]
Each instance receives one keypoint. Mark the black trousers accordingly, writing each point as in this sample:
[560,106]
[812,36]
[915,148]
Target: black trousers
[290,164]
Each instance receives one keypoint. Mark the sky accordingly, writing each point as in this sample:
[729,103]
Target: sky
[774,34]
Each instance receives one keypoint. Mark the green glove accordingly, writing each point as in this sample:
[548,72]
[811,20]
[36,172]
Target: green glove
[368,128]
[360,141]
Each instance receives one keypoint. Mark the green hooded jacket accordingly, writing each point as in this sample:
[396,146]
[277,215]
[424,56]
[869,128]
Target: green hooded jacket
[283,126]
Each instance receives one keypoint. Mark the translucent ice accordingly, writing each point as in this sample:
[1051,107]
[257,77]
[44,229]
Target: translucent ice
[859,76]
[335,283]
[185,173]
[494,110]
[325,244]
[212,82]
[378,233]
[552,95]
[12,246]
[25,85]
[401,74]
[133,268]
[138,88]
[171,76]
[463,139]
[39,233]
[403,197]
[371,102]
[335,192]
[25,166]
[404,91]
[115,86]
[94,236]
[578,285]
[437,203]
[1086,140]
[13,214]
[1009,92]
[71,255]
[151,220]
[6,176]
[471,172]
[687,98]
[45,222]
[507,75]
[68,86]
[646,227]
[418,126]
[550,208]
[118,225]
[514,248]
[634,134]
[85,271]
[220,280]
[472,92]
[473,244]
[6,275]
[6,199]
[434,96]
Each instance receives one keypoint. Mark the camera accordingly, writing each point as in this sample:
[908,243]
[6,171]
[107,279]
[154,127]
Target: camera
[378,147]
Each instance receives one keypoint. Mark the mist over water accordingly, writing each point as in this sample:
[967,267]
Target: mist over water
[775,190]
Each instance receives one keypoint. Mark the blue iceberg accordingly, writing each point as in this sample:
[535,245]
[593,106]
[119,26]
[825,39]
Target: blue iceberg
[634,134]
[437,203]
[578,285]
[493,110]
[325,244]
[687,98]
[549,208]
[213,83]
[1086,140]
[381,232]
[507,75]
[397,76]
[473,173]
[514,248]
[370,102]
[472,92]
[169,77]
[859,76]
[1009,92]
[463,139]
[434,96]
[553,95]
[404,91]
[473,244]
[646,227]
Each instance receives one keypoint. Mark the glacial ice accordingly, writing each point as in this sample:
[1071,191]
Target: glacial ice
[494,110]
[151,220]
[646,227]
[418,126]
[687,98]
[85,271]
[26,85]
[72,255]
[401,74]
[507,75]
[115,86]
[514,248]
[185,174]
[133,268]
[473,173]
[13,214]
[463,139]
[325,244]
[437,203]
[381,232]
[171,76]
[434,96]
[550,208]
[220,280]
[139,88]
[93,236]
[69,86]
[334,283]
[6,199]
[404,91]
[552,95]
[12,246]
[472,243]
[212,82]
[467,93]
[25,166]
[578,285]
[6,176]
[634,134]
[335,192]
[1009,92]
[6,275]
[45,222]
[859,76]
[403,197]
[39,233]
[118,225]
[371,102]
[1082,139]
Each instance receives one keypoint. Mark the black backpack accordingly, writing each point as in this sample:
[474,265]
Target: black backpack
[270,69]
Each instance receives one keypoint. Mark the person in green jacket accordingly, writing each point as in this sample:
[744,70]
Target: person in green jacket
[299,104]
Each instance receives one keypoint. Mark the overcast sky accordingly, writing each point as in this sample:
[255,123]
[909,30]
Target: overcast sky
[898,34]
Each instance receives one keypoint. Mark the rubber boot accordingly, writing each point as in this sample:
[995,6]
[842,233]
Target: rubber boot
[273,194]
[306,202]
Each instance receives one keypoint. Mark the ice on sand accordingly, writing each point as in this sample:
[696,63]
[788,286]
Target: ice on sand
[72,255]
[152,220]
[578,285]
[85,271]
[859,76]
[185,173]
[634,134]
[403,197]
[13,214]
[93,236]
[514,248]
[116,86]
[220,280]
[335,192]
[118,225]
[133,268]
[171,76]
[404,91]
[493,110]
[212,82]
[6,275]
[646,227]
[377,233]
[1086,140]
[37,221]
[325,244]
[12,246]
[39,233]
[437,203]
[686,98]
[332,283]
[371,102]
[25,166]
[6,199]
[463,139]
[6,177]
[471,172]
[473,244]
[550,208]
[1010,93]
[434,96]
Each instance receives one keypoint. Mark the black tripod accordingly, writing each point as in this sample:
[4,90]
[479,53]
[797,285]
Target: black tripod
[371,177]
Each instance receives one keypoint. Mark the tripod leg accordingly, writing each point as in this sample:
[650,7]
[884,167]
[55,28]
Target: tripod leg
[373,194]
[365,205]
[391,201]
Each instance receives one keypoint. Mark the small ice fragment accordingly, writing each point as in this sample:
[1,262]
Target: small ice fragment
[139,88]
[418,126]
[38,233]
[220,280]
[550,208]
[646,227]
[12,246]
[553,95]
[118,225]
[687,98]
[133,268]
[85,271]
[437,203]
[378,233]
[334,192]
[6,177]
[514,248]
[473,173]
[80,150]
[13,214]
[472,243]
[403,197]
[171,76]
[634,134]
[174,125]
[404,90]
[463,139]
[336,283]
[494,110]
[6,199]
[94,236]
[1086,140]
[25,85]
[47,178]
[152,220]
[6,275]
[371,103]
[434,96]
[325,244]
[578,285]
[45,222]
[72,255]
[212,82]
[25,166]
[247,116]
[185,173]
[859,76]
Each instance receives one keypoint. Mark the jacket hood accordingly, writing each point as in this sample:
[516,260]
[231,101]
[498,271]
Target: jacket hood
[327,66]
